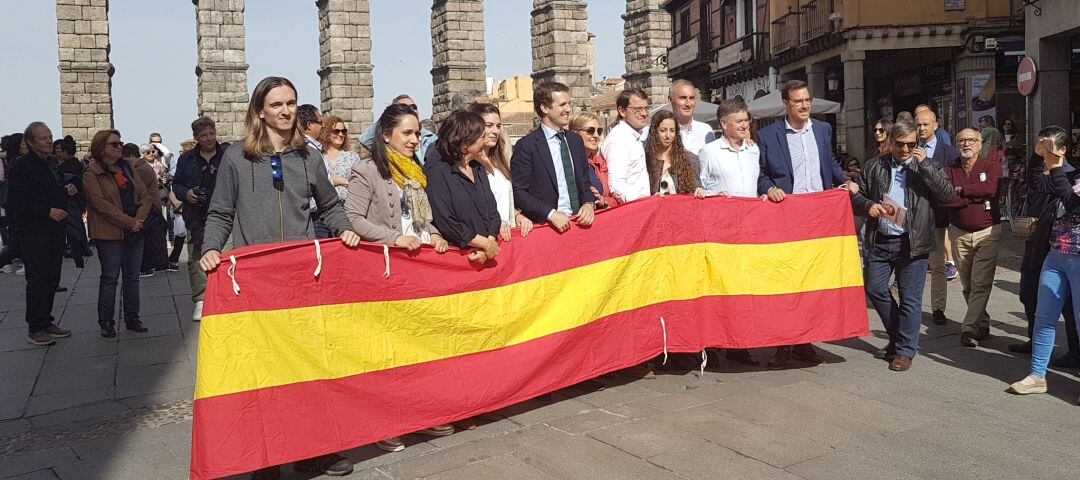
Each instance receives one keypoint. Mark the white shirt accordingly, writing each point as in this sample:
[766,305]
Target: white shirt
[503,191]
[725,169]
[625,154]
[805,158]
[696,137]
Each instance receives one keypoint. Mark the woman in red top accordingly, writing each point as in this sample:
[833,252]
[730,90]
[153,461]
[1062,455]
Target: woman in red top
[588,126]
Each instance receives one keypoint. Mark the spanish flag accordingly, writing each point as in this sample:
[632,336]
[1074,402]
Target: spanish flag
[311,348]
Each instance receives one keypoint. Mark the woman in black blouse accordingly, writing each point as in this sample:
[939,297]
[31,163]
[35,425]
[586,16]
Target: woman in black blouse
[464,210]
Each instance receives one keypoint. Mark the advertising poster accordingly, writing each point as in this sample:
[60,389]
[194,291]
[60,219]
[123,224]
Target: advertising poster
[961,103]
[983,100]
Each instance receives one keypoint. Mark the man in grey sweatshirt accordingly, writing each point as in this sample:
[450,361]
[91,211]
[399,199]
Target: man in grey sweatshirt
[247,204]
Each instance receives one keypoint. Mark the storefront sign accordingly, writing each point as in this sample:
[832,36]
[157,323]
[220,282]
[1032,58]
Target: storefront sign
[961,101]
[954,5]
[682,54]
[729,55]
[907,85]
[1025,76]
[748,89]
[936,73]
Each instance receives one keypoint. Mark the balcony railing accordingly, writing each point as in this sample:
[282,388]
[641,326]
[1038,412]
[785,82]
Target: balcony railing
[814,19]
[747,49]
[800,26]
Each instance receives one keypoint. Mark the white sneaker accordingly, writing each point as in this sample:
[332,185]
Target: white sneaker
[197,315]
[9,268]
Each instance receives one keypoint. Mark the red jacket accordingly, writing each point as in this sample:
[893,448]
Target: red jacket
[968,210]
[599,166]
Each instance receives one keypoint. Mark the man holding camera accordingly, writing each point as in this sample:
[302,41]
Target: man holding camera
[193,184]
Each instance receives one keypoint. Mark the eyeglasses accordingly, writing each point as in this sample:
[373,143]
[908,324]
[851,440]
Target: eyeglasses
[967,141]
[340,131]
[644,109]
[413,107]
[115,144]
[804,101]
[879,130]
[906,145]
[592,131]
[279,174]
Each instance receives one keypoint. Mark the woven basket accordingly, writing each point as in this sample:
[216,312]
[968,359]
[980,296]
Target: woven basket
[1023,227]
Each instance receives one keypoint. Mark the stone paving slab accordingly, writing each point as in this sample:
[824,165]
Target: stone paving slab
[94,408]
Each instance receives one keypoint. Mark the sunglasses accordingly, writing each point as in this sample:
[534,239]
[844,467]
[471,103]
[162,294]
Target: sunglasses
[879,130]
[907,145]
[340,131]
[279,174]
[115,144]
[593,131]
[413,107]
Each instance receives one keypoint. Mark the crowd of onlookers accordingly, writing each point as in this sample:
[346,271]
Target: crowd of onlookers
[921,204]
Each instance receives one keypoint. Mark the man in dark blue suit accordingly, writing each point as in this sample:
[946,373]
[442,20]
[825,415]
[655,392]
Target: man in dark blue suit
[944,156]
[549,165]
[797,157]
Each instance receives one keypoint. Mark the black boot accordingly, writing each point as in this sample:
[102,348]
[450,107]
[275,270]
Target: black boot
[178,246]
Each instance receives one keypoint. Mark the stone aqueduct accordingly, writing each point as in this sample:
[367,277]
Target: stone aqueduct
[559,43]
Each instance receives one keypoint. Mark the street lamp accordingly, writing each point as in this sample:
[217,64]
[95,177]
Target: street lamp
[832,80]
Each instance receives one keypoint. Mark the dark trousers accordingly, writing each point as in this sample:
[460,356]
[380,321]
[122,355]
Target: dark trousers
[119,257]
[155,247]
[76,233]
[1030,269]
[893,254]
[43,255]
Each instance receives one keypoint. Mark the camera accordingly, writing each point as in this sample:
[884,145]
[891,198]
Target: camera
[202,195]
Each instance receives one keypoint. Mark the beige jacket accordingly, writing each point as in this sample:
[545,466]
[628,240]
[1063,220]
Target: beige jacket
[373,205]
[105,215]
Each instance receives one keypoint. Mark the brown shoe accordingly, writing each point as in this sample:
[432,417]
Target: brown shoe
[900,364]
[780,359]
[41,339]
[57,332]
[806,353]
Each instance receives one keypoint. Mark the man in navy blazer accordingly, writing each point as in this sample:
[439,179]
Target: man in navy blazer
[945,156]
[549,165]
[797,157]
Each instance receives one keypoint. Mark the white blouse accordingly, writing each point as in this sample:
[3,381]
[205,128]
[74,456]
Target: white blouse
[503,191]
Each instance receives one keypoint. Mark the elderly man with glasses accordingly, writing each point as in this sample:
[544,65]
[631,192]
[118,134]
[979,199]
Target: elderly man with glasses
[975,217]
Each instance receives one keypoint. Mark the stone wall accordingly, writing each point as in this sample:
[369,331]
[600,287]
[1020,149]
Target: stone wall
[457,47]
[82,28]
[560,44]
[345,80]
[647,36]
[222,65]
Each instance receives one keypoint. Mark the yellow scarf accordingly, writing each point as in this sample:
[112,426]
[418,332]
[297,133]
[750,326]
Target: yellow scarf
[409,176]
[402,168]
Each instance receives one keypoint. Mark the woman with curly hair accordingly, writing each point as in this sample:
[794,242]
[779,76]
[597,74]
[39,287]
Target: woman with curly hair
[671,168]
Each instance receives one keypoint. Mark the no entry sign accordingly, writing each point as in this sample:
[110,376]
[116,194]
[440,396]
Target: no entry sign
[1025,76]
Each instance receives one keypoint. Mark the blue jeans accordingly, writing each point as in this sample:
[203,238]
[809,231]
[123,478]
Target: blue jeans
[1059,279]
[902,322]
[116,257]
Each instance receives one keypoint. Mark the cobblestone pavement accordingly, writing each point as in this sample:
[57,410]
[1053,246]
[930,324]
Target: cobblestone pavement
[94,408]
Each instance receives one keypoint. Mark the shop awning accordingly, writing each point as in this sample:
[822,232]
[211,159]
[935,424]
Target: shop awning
[772,105]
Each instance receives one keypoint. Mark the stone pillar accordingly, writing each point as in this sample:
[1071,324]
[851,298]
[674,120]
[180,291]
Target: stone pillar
[1050,100]
[560,44]
[345,61]
[815,79]
[457,49]
[222,65]
[855,131]
[647,36]
[82,28]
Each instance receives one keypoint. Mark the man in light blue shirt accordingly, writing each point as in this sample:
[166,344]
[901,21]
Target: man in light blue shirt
[554,143]
[427,137]
[805,158]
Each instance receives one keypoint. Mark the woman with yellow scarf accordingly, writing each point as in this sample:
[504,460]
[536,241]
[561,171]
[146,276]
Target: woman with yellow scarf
[386,202]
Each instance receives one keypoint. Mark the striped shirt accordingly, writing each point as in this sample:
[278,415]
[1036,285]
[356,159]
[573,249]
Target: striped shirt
[805,159]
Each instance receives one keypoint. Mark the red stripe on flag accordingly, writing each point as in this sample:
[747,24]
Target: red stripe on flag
[246,431]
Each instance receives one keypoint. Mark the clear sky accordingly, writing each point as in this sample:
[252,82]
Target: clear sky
[153,51]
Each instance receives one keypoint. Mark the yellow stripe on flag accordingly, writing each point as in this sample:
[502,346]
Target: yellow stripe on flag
[252,350]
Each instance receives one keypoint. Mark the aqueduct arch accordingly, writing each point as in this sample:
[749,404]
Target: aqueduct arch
[558,32]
